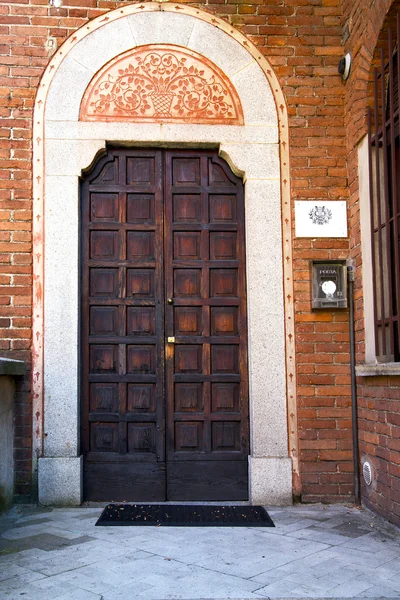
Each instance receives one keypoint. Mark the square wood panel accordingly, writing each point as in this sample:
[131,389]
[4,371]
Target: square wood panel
[223,283]
[104,283]
[225,436]
[222,245]
[188,320]
[103,320]
[140,245]
[140,171]
[140,208]
[103,358]
[104,437]
[224,320]
[103,397]
[188,397]
[187,208]
[187,282]
[188,359]
[141,437]
[104,245]
[140,283]
[141,398]
[187,245]
[103,207]
[224,359]
[141,320]
[141,359]
[186,171]
[222,208]
[189,436]
[224,397]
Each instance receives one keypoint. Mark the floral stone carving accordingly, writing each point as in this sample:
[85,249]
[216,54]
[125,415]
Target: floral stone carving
[161,83]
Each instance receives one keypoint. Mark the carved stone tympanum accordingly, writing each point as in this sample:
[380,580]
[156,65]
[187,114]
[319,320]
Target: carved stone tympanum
[161,83]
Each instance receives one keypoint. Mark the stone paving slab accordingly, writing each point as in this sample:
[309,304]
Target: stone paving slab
[313,552]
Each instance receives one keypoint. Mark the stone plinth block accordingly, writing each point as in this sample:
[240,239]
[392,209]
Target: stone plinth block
[271,481]
[60,481]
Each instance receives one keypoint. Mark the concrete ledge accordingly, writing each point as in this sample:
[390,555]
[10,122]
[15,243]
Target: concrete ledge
[270,481]
[8,366]
[60,481]
[377,370]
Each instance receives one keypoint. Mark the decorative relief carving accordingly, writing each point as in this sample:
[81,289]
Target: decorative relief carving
[161,83]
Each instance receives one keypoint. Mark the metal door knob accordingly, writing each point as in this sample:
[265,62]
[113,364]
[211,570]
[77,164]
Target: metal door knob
[170,300]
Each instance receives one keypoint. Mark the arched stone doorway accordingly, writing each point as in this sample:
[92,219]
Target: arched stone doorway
[256,150]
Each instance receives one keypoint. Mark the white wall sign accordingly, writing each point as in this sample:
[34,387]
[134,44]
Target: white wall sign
[321,218]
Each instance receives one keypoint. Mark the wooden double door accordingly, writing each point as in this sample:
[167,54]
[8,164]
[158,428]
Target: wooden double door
[164,387]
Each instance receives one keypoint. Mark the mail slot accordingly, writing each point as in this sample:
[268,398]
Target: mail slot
[329,284]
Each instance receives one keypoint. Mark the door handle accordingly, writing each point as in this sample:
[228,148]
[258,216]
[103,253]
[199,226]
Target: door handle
[170,324]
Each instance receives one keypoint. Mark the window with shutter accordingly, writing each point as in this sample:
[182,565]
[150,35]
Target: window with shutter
[384,169]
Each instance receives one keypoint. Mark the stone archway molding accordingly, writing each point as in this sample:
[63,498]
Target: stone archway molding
[257,150]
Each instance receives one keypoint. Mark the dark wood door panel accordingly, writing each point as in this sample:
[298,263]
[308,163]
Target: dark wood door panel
[206,368]
[123,328]
[209,481]
[163,256]
[124,481]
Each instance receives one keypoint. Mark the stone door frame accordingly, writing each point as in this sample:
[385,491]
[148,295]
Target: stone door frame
[257,151]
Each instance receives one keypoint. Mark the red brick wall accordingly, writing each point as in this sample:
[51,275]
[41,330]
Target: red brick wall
[378,397]
[16,101]
[379,418]
[303,41]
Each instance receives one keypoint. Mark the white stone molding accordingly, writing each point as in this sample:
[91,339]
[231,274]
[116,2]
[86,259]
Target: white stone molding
[258,151]
[365,222]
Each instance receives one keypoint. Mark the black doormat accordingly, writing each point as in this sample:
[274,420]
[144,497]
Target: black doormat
[185,515]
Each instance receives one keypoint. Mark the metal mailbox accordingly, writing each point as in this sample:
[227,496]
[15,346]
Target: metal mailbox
[329,284]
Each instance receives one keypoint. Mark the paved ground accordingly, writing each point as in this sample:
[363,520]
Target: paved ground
[313,552]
